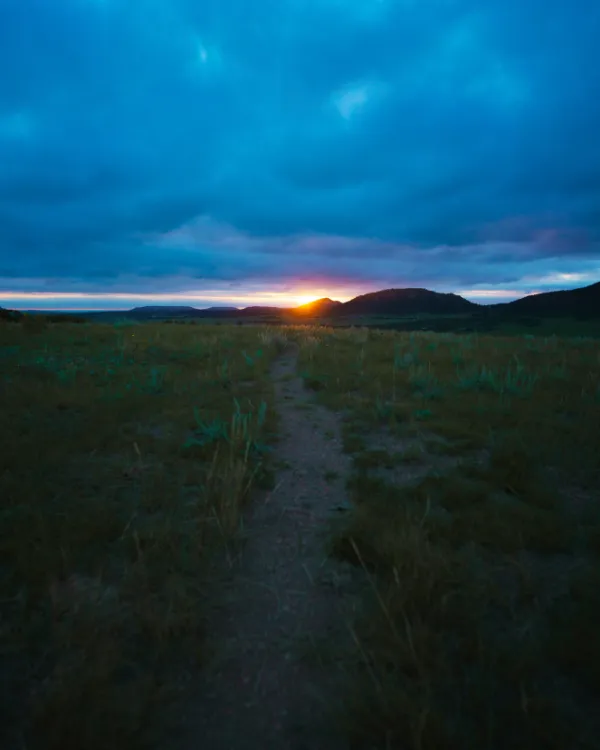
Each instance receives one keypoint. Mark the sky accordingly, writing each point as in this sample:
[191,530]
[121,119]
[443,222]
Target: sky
[236,152]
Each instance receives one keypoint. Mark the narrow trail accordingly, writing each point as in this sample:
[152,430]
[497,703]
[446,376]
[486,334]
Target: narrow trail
[281,595]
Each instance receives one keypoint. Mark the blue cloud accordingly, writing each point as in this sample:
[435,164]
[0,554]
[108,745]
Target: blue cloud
[361,141]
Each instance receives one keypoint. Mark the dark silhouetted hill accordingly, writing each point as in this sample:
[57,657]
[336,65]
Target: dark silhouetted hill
[258,310]
[579,303]
[406,302]
[10,316]
[319,307]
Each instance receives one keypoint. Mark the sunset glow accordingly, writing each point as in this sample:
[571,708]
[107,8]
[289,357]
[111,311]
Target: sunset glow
[25,300]
[305,298]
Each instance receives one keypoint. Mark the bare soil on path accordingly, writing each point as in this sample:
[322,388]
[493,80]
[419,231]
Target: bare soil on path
[279,599]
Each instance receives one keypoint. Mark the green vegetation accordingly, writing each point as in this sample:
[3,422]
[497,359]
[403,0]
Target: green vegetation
[475,521]
[474,391]
[127,453]
[129,450]
[487,322]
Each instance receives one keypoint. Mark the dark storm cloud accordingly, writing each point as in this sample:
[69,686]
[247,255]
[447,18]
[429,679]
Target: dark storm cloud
[375,141]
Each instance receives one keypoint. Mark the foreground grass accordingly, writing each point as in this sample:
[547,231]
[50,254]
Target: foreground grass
[476,522]
[127,453]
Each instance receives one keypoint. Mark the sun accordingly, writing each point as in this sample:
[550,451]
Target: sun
[304,299]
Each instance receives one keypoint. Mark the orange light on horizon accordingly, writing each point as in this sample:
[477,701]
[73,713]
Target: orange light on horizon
[208,297]
[305,299]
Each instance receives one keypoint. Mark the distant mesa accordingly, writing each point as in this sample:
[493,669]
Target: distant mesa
[163,310]
[260,310]
[174,311]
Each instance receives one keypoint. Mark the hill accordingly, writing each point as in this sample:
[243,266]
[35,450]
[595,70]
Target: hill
[163,311]
[258,310]
[581,303]
[10,316]
[324,306]
[406,302]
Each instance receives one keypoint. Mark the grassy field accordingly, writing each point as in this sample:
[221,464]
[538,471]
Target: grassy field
[477,524]
[127,452]
[484,322]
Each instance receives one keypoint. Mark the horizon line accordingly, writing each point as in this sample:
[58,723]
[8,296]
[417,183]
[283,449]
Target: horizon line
[24,301]
[101,301]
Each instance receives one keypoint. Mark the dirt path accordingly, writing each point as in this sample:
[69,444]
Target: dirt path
[281,598]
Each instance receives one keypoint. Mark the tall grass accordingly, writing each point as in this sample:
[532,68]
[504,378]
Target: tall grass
[128,453]
[476,628]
